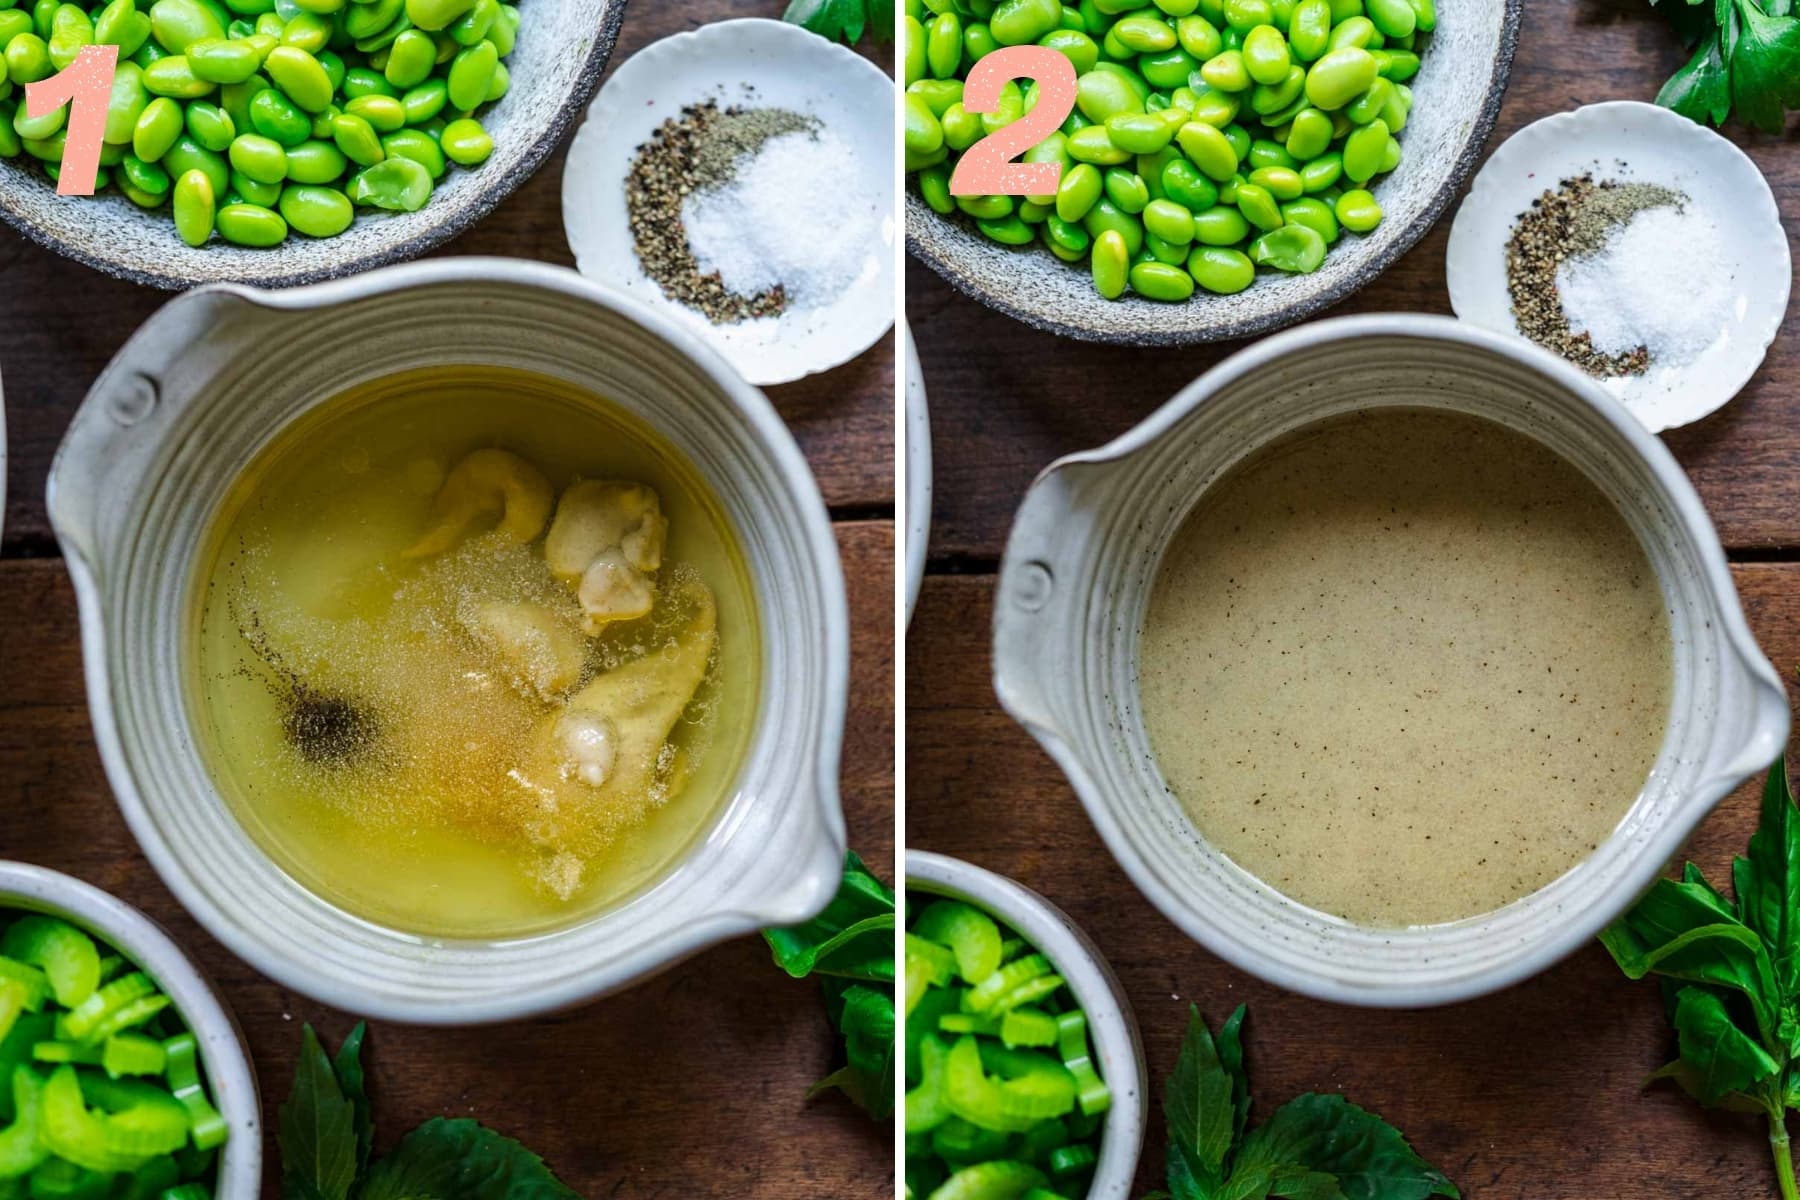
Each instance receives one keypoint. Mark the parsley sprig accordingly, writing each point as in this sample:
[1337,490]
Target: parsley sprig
[1314,1147]
[1731,974]
[327,1136]
[846,19]
[1746,59]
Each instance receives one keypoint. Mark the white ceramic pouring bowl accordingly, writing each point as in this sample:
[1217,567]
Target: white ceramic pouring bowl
[206,384]
[1084,551]
[1112,1027]
[230,1077]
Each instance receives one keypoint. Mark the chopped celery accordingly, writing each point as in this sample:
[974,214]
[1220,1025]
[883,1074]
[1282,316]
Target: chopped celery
[22,1147]
[65,954]
[1005,1095]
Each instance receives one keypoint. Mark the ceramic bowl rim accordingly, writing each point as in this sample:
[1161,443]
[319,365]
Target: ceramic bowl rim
[147,945]
[947,268]
[482,201]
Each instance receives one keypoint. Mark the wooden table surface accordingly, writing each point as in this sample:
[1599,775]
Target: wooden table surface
[1529,1095]
[691,1085]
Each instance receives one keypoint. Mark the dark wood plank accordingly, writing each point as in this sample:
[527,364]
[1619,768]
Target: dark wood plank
[692,1085]
[1529,1095]
[1007,400]
[60,323]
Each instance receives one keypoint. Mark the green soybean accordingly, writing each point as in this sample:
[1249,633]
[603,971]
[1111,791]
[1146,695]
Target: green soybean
[318,212]
[1111,263]
[1161,281]
[1357,210]
[301,76]
[211,126]
[316,162]
[156,129]
[1339,77]
[1296,249]
[1079,190]
[395,184]
[193,207]
[1363,151]
[1222,225]
[466,143]
[1221,269]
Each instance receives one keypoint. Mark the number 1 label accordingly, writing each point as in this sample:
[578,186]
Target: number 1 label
[86,86]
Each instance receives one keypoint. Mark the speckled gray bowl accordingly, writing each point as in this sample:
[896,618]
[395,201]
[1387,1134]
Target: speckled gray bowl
[1458,90]
[561,53]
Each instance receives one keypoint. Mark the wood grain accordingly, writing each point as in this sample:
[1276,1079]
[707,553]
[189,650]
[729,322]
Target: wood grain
[691,1085]
[1006,400]
[60,323]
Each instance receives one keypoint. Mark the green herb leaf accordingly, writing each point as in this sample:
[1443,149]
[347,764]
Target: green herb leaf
[1700,91]
[1682,1073]
[461,1160]
[1369,1158]
[1723,1057]
[348,1068]
[1765,67]
[846,19]
[1677,930]
[1768,881]
[866,1019]
[853,937]
[317,1129]
[1202,1102]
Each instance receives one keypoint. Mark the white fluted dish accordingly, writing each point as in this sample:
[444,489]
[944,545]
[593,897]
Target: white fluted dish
[188,404]
[1630,141]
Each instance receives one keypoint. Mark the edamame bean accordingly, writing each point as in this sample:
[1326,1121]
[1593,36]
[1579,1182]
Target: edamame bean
[466,143]
[1106,215]
[211,126]
[1126,190]
[1266,55]
[1144,34]
[316,162]
[356,139]
[395,184]
[1139,133]
[251,225]
[944,45]
[1079,190]
[193,207]
[126,104]
[318,212]
[433,15]
[299,74]
[259,158]
[1199,37]
[383,113]
[1223,225]
[934,186]
[1313,213]
[923,132]
[222,60]
[1076,46]
[1210,149]
[411,58]
[1339,77]
[1368,106]
[1169,221]
[1019,22]
[1363,151]
[1357,210]
[176,24]
[1092,145]
[1258,206]
[1111,262]
[1394,18]
[1227,72]
[156,129]
[1221,270]
[274,116]
[1008,231]
[1160,281]
[1283,183]
[1296,249]
[1322,172]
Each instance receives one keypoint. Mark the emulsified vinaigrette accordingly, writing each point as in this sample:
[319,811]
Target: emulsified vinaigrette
[475,655]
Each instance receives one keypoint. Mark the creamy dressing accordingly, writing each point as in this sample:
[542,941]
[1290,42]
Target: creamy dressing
[1405,666]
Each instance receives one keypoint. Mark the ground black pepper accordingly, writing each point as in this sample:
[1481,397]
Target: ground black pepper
[700,149]
[1573,220]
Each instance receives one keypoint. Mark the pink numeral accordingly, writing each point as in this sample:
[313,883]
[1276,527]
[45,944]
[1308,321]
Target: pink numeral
[86,85]
[987,168]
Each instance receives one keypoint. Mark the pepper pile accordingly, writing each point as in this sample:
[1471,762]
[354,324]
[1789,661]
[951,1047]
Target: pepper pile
[1209,137]
[249,123]
[102,1092]
[1003,1097]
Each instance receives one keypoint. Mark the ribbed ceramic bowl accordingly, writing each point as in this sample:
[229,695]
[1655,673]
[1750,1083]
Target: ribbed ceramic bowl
[1077,575]
[1460,84]
[188,404]
[230,1078]
[561,53]
[1112,1027]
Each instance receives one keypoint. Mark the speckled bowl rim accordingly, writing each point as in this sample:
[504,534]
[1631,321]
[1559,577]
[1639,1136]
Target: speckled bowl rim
[483,201]
[1207,330]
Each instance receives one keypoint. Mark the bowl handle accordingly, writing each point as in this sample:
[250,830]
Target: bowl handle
[121,429]
[1036,598]
[1755,729]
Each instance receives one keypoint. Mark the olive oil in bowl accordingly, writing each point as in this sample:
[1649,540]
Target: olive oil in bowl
[475,653]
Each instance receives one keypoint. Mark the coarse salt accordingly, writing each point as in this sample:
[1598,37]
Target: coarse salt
[783,220]
[1662,281]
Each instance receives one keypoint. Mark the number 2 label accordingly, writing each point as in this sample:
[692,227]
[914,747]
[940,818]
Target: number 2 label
[85,85]
[987,168]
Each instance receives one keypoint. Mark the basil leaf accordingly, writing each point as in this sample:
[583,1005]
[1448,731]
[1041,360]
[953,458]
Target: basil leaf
[853,937]
[1676,930]
[1202,1100]
[317,1131]
[1722,1057]
[1768,881]
[841,18]
[1765,67]
[348,1068]
[461,1160]
[1369,1158]
[1693,20]
[866,1019]
[1684,1076]
[1187,1181]
[1700,91]
[1231,1056]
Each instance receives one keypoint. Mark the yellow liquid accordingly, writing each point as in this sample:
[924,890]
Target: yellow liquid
[409,813]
